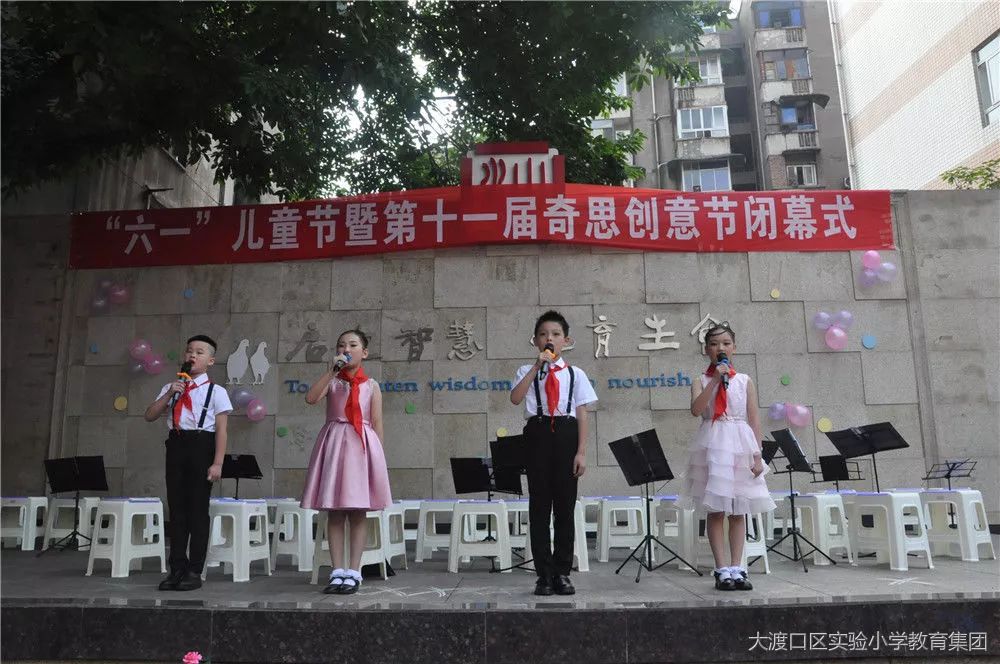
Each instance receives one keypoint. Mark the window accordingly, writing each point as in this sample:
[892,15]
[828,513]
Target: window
[707,176]
[703,122]
[797,117]
[621,86]
[708,29]
[802,175]
[605,128]
[987,61]
[778,14]
[710,70]
[784,65]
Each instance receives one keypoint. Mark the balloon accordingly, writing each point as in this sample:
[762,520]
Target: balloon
[836,338]
[137,366]
[822,320]
[242,396]
[256,410]
[871,260]
[776,412]
[868,278]
[105,285]
[844,319]
[118,294]
[887,271]
[798,415]
[140,349]
[99,304]
[154,364]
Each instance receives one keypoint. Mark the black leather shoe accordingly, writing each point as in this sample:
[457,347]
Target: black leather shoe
[723,584]
[190,581]
[562,585]
[543,586]
[349,588]
[742,581]
[170,583]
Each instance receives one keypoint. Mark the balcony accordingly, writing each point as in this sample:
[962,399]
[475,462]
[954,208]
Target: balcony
[709,41]
[702,148]
[700,96]
[776,39]
[793,141]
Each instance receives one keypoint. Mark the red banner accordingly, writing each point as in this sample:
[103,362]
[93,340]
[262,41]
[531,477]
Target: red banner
[646,219]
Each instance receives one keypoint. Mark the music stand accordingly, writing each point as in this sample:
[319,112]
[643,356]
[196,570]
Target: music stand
[642,461]
[510,461]
[240,466]
[82,473]
[869,439]
[946,471]
[797,463]
[835,468]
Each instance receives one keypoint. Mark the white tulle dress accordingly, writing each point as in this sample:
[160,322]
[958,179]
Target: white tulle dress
[718,477]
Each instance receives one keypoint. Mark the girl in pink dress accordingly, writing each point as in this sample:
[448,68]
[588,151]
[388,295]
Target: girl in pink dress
[347,472]
[725,474]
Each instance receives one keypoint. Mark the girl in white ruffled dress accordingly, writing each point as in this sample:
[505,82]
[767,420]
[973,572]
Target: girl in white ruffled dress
[725,474]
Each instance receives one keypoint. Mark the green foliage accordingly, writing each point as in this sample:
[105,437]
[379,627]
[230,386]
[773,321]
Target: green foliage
[307,98]
[984,176]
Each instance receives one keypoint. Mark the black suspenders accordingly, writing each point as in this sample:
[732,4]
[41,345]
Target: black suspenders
[569,399]
[204,408]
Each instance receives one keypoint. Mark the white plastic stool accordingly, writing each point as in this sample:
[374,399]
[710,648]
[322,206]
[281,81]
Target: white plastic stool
[888,538]
[272,513]
[429,540]
[293,535]
[755,547]
[677,528]
[394,528]
[517,517]
[22,519]
[411,508]
[242,526]
[581,555]
[824,523]
[122,541]
[965,509]
[59,519]
[591,507]
[610,536]
[372,554]
[461,546]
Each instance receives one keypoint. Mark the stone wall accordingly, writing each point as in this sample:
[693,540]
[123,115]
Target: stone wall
[933,372]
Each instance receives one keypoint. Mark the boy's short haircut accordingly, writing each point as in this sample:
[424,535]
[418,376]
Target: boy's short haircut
[206,339]
[552,316]
[361,335]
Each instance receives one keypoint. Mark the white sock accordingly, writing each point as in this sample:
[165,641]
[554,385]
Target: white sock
[352,578]
[736,571]
[335,576]
[724,573]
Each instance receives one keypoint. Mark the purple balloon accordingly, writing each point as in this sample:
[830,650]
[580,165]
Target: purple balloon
[777,411]
[99,304]
[844,319]
[822,320]
[137,366]
[105,285]
[118,294]
[242,397]
[256,410]
[140,349]
[887,272]
[154,364]
[868,278]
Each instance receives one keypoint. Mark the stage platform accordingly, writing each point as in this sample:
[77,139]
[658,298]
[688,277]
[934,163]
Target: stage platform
[51,611]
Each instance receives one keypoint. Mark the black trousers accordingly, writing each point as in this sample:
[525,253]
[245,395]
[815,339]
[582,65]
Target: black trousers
[552,492]
[189,455]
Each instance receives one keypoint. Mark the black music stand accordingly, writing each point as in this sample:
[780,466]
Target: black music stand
[642,461]
[82,473]
[946,471]
[835,468]
[797,463]
[869,439]
[510,461]
[476,475]
[240,466]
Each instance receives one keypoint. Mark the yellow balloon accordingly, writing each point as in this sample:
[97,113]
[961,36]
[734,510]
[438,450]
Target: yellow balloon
[121,403]
[775,293]
[501,432]
[824,424]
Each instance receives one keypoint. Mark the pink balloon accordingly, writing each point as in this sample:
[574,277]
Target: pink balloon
[105,285]
[118,294]
[836,339]
[256,410]
[871,260]
[154,364]
[798,415]
[140,349]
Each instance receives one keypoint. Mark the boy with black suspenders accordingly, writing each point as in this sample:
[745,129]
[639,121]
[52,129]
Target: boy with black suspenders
[555,435]
[196,446]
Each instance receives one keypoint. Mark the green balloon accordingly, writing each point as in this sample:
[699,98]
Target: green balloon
[786,379]
[282,432]
[410,408]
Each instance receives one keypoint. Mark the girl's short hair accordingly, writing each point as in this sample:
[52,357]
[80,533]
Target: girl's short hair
[361,335]
[719,328]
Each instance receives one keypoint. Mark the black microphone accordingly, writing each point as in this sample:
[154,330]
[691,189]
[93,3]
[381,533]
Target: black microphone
[184,375]
[340,363]
[545,365]
[721,359]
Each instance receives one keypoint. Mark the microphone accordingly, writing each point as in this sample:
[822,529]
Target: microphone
[545,365]
[340,362]
[722,360]
[185,375]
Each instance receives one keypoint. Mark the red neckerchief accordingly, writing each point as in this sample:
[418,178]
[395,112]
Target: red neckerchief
[184,401]
[352,409]
[552,393]
[720,394]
